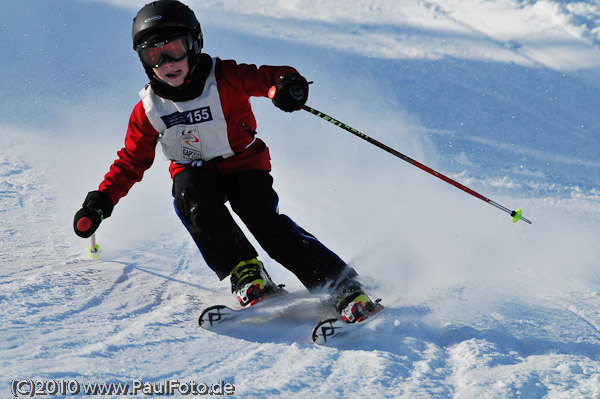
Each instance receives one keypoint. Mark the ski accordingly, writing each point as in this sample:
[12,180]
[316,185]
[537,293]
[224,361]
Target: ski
[328,331]
[214,315]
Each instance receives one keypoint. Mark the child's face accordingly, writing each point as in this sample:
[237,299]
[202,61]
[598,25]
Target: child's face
[173,73]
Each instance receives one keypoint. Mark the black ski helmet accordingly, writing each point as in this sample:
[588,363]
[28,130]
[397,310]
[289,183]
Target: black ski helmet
[166,16]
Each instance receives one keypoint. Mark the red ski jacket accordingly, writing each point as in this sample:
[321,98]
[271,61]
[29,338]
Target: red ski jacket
[235,83]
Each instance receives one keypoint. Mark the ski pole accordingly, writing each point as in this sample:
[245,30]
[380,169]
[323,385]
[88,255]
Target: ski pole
[94,249]
[516,214]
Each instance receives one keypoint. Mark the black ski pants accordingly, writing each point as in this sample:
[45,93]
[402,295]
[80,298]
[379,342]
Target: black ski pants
[200,195]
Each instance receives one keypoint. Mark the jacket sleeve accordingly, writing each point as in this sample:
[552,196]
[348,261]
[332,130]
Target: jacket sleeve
[134,158]
[236,84]
[252,80]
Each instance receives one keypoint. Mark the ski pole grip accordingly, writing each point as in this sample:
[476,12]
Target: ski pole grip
[84,224]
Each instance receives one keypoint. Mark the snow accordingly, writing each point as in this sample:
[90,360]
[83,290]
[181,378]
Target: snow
[499,95]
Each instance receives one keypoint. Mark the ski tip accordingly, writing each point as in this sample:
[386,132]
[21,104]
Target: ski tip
[214,315]
[93,252]
[326,330]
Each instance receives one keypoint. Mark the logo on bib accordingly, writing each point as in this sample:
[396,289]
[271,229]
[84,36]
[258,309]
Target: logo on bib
[191,148]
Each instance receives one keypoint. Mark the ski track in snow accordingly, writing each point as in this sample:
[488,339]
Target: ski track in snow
[475,306]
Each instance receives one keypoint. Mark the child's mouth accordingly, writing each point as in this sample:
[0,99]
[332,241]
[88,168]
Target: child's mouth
[175,74]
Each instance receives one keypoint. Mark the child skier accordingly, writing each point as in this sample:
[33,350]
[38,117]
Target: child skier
[198,109]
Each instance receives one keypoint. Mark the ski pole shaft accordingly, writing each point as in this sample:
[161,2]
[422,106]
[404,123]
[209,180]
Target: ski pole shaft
[516,214]
[93,243]
[94,249]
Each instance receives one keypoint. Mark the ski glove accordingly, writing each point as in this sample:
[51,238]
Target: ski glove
[290,92]
[96,207]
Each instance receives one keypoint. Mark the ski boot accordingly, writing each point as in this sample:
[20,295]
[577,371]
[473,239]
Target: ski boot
[351,302]
[250,282]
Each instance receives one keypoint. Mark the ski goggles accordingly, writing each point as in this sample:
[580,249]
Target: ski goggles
[155,54]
